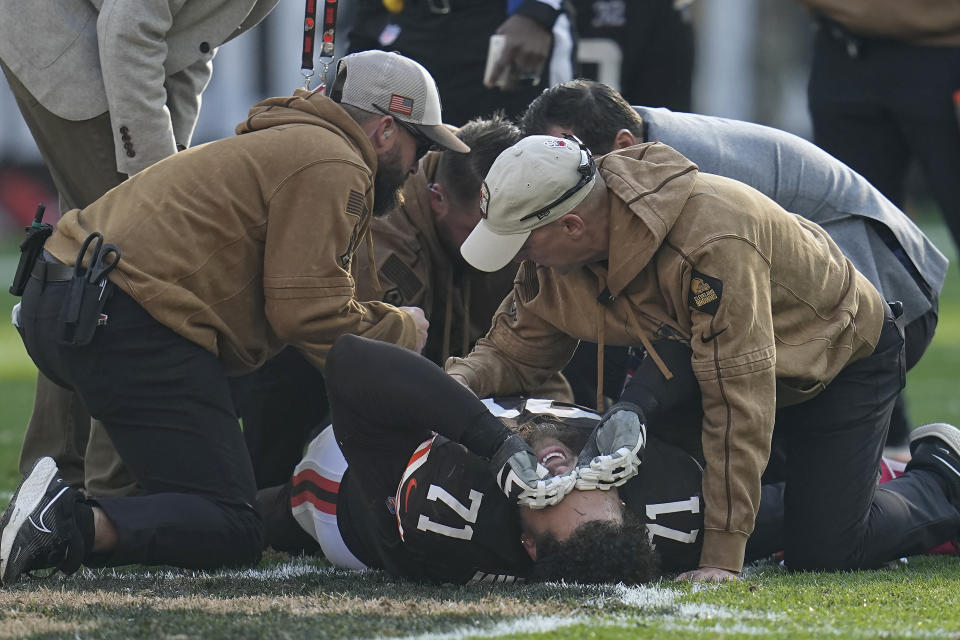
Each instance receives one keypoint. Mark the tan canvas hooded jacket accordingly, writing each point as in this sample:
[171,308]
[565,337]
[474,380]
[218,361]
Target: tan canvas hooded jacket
[414,269]
[244,245]
[769,305]
[922,22]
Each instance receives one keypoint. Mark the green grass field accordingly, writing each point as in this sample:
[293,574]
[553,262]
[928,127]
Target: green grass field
[303,598]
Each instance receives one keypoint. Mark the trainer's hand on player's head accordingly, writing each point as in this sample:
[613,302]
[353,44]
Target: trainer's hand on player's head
[708,574]
[422,324]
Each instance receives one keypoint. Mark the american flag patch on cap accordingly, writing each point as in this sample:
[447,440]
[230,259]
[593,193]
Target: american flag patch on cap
[401,104]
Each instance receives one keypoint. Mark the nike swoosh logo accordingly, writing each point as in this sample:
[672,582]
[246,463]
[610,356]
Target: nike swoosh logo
[947,464]
[42,527]
[406,496]
[704,338]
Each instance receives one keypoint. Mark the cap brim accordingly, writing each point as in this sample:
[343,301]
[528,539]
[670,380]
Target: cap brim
[489,251]
[442,135]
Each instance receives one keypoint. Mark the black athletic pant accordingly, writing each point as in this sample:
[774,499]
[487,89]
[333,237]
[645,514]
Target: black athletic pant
[830,514]
[166,405]
[835,516]
[282,404]
[880,103]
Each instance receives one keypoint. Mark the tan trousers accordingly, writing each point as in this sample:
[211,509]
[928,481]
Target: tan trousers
[80,158]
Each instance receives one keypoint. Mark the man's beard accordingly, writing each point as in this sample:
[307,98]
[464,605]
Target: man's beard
[388,185]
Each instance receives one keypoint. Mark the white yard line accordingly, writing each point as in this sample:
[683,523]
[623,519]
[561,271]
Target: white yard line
[531,624]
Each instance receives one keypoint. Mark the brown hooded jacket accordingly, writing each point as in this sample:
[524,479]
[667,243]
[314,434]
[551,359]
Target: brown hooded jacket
[244,245]
[768,303]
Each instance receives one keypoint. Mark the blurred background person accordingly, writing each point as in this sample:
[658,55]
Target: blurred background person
[642,48]
[883,93]
[451,39]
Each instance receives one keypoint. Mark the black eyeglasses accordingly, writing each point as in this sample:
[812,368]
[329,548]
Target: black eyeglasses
[586,169]
[424,143]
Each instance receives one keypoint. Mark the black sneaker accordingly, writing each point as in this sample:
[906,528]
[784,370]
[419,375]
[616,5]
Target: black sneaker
[936,447]
[38,530]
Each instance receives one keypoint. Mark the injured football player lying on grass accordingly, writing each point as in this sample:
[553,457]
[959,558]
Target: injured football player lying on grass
[418,477]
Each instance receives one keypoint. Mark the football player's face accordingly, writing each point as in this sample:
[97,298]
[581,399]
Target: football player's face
[553,454]
[563,519]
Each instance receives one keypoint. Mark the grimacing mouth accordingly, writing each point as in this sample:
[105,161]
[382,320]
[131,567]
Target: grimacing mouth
[556,457]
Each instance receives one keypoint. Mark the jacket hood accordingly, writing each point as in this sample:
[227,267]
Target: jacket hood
[308,107]
[416,202]
[649,184]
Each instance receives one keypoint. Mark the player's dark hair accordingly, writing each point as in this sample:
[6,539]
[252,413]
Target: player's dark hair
[598,552]
[462,173]
[593,111]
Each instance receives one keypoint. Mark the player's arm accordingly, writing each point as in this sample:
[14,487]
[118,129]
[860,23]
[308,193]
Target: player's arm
[393,393]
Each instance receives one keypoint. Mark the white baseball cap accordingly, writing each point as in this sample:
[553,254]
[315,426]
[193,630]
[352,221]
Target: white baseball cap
[530,185]
[392,84]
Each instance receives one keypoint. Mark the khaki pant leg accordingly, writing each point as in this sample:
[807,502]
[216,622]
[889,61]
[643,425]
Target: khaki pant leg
[80,157]
[105,474]
[58,427]
[78,153]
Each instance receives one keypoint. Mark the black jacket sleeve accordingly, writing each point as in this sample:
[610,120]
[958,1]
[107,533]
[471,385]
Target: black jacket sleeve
[654,394]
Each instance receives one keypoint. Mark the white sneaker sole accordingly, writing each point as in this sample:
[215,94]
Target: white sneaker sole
[946,432]
[29,495]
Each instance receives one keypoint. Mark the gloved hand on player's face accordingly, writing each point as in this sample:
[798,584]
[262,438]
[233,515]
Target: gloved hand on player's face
[612,453]
[524,480]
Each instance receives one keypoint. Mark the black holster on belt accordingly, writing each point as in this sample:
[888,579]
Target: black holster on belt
[30,249]
[82,311]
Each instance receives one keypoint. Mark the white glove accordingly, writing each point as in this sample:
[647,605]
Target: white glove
[524,480]
[612,454]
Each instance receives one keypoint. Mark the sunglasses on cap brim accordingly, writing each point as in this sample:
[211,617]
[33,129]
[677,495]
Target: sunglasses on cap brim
[424,144]
[586,169]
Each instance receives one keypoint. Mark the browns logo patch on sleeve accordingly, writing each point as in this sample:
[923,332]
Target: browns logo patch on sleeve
[705,293]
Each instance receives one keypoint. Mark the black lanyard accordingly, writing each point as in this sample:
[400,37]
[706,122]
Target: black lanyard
[327,36]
